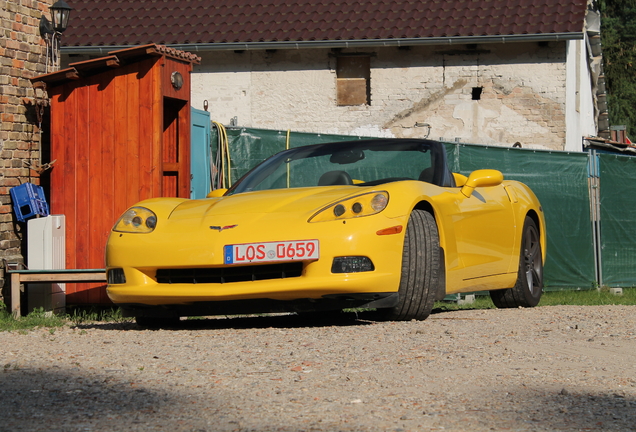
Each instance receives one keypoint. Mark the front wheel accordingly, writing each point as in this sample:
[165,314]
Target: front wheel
[421,269]
[529,285]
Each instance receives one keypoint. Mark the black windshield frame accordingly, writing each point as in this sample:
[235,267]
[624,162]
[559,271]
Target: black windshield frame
[442,176]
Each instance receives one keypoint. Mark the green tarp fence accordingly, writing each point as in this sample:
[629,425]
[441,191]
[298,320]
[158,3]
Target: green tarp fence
[249,147]
[559,179]
[618,220]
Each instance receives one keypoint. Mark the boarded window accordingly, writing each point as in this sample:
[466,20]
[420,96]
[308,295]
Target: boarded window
[353,80]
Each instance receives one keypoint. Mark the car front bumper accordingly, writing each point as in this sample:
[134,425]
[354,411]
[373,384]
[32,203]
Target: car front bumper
[140,256]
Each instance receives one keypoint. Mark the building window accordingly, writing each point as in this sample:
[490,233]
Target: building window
[353,76]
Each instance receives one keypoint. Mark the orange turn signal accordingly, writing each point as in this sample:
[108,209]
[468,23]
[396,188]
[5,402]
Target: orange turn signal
[389,231]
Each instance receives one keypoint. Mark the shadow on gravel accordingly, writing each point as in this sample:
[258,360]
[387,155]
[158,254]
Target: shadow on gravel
[539,409]
[57,399]
[81,400]
[291,320]
[343,319]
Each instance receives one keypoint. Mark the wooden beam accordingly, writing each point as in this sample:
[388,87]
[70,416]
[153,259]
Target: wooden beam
[55,276]
[70,278]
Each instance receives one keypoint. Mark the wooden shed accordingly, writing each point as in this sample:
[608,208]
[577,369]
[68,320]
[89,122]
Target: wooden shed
[119,133]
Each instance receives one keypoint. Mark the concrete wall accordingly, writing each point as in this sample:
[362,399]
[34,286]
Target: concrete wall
[22,56]
[523,92]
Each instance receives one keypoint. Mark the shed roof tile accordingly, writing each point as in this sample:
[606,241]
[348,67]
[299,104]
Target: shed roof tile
[124,22]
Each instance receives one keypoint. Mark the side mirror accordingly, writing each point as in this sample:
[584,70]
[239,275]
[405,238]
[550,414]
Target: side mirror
[481,178]
[460,179]
[216,193]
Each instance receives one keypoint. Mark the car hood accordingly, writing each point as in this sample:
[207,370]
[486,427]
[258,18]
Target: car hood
[289,201]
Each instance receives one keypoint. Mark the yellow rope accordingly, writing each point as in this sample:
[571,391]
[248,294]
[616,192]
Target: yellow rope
[287,148]
[224,148]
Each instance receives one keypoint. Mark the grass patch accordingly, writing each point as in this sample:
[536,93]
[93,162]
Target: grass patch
[481,302]
[76,316]
[35,319]
[592,297]
[83,315]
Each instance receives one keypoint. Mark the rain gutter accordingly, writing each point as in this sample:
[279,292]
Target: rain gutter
[363,43]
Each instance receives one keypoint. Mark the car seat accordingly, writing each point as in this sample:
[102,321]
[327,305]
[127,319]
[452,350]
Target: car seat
[335,178]
[427,175]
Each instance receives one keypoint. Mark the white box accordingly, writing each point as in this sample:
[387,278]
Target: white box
[616,291]
[46,250]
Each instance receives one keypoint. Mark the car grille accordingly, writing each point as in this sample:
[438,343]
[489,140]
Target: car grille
[229,274]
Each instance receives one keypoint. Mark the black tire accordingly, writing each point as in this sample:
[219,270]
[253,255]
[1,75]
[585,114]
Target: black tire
[156,323]
[421,269]
[529,286]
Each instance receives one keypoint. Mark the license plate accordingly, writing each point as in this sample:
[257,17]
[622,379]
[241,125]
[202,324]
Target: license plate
[271,251]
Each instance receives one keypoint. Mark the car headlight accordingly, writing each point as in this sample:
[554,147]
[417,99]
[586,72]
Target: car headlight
[136,220]
[357,206]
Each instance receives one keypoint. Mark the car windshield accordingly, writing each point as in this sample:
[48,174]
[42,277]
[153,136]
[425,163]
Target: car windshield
[359,163]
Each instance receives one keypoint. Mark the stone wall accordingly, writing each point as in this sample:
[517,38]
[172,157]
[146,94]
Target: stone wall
[22,56]
[523,92]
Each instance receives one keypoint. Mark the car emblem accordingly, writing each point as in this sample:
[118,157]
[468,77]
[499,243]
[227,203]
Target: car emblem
[220,228]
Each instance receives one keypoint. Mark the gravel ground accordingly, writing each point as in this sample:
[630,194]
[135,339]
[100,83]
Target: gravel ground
[542,369]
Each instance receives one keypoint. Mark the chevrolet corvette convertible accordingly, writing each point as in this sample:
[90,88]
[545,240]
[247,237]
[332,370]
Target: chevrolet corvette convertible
[380,224]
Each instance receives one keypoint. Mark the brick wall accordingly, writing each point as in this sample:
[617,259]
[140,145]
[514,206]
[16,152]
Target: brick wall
[22,56]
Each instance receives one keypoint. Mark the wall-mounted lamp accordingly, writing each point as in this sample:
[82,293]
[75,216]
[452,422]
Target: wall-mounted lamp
[60,12]
[52,30]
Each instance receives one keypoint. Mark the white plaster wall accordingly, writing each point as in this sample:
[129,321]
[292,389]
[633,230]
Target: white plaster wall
[586,113]
[523,98]
[297,91]
[224,80]
[580,100]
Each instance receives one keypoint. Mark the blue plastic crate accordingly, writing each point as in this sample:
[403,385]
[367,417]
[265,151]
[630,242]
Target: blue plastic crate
[29,201]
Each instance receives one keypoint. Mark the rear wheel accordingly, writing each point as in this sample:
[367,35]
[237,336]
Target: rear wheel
[529,285]
[420,270]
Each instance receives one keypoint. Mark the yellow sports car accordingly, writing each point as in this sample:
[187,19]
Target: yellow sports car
[380,224]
